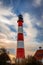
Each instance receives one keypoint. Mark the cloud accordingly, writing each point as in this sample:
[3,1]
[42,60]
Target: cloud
[39,26]
[42,16]
[5,3]
[9,45]
[37,3]
[9,36]
[32,26]
[31,46]
[2,36]
[6,32]
[29,30]
[32,34]
[4,12]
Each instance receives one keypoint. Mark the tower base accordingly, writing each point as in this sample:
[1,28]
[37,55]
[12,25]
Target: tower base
[20,61]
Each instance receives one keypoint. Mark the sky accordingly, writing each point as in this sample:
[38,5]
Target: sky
[32,11]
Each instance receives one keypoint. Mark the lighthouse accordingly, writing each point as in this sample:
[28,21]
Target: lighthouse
[20,54]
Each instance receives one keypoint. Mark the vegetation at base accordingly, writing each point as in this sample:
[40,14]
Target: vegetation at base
[5,60]
[32,61]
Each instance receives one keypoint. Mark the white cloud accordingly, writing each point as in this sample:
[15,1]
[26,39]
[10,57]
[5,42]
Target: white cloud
[5,32]
[7,12]
[29,40]
[42,16]
[8,44]
[4,12]
[37,3]
[31,46]
[30,31]
[5,39]
[2,36]
[40,24]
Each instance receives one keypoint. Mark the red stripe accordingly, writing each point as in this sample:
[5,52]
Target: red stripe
[20,23]
[20,53]
[20,36]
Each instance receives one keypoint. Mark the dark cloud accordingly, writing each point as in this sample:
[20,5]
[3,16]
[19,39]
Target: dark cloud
[12,28]
[39,37]
[8,31]
[6,3]
[9,17]
[19,6]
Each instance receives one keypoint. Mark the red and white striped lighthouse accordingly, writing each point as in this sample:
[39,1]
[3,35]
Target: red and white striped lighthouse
[20,40]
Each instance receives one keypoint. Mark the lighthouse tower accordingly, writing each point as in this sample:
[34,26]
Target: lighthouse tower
[20,55]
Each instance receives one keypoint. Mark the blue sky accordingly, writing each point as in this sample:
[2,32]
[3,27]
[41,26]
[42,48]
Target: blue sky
[32,11]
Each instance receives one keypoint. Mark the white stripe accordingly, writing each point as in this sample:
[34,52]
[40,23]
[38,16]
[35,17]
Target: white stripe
[20,29]
[20,44]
